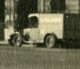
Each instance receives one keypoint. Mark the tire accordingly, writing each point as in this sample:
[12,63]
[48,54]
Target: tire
[15,41]
[10,42]
[50,41]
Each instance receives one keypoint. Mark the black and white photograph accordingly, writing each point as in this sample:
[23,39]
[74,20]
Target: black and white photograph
[39,34]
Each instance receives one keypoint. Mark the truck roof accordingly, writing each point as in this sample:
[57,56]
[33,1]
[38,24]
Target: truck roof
[43,14]
[31,15]
[50,17]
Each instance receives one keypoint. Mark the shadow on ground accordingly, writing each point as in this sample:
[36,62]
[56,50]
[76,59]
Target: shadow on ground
[67,45]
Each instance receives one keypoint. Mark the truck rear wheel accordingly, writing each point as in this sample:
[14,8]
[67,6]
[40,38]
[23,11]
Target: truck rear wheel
[49,41]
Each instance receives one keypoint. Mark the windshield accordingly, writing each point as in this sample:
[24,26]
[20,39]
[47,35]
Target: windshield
[33,22]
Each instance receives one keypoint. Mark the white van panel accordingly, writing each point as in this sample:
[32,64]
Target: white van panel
[52,24]
[49,23]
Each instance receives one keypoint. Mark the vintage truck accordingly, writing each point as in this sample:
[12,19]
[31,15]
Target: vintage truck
[49,29]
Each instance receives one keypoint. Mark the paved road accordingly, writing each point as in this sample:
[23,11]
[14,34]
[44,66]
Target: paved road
[38,58]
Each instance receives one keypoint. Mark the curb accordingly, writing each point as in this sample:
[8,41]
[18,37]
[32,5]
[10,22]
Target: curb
[4,43]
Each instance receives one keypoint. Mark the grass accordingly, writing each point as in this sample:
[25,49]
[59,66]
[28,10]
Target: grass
[38,58]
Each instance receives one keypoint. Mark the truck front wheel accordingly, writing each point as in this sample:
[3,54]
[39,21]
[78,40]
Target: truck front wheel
[15,40]
[49,41]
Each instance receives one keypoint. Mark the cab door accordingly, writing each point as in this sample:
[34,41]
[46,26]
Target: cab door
[34,28]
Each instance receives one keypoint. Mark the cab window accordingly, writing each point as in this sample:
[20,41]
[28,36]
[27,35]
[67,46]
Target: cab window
[33,22]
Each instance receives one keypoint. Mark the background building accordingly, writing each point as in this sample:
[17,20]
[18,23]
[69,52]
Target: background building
[70,6]
[2,18]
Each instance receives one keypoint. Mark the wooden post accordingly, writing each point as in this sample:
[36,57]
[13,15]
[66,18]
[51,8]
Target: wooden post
[41,6]
[79,6]
[47,6]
